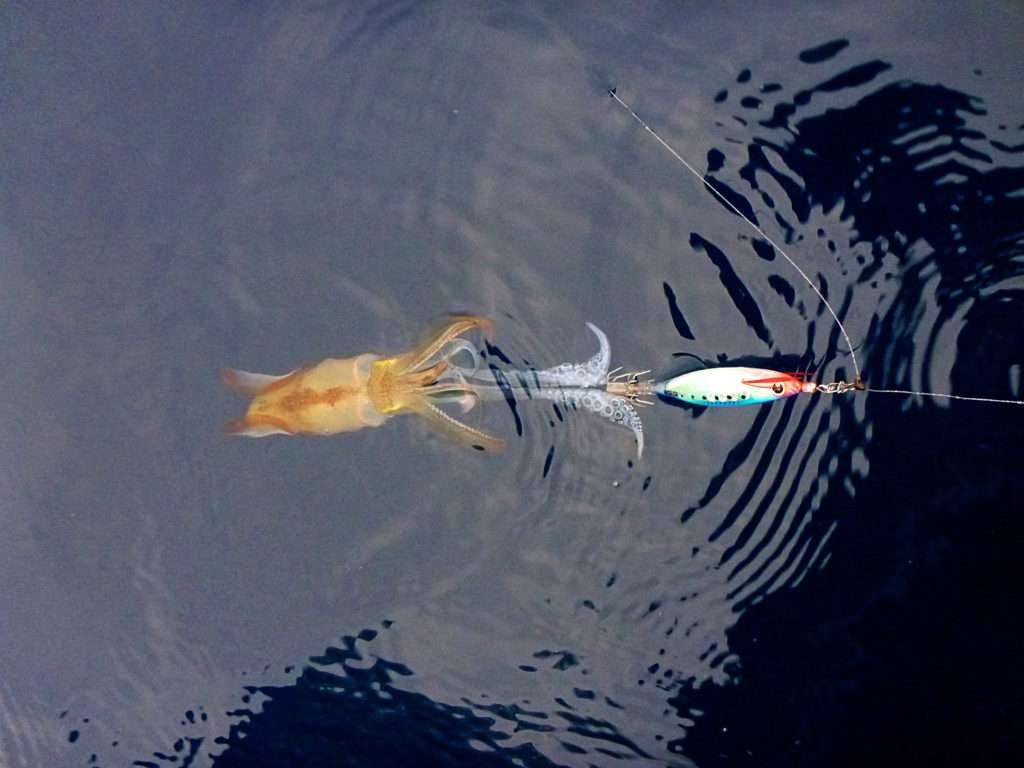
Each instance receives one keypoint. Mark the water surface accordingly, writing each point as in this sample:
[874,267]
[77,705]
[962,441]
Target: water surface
[820,582]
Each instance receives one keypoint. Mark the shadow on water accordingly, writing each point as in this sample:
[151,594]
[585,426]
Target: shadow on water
[348,708]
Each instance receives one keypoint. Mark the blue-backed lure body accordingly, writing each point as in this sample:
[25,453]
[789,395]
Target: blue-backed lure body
[731,386]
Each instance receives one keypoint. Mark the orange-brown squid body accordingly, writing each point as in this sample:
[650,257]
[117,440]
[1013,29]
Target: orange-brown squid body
[346,394]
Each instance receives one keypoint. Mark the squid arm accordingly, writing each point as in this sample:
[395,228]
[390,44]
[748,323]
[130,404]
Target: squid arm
[453,429]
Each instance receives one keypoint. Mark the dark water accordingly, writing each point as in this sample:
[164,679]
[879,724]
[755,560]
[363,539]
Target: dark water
[826,581]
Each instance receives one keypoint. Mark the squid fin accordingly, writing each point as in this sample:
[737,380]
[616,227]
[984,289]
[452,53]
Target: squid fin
[258,426]
[250,383]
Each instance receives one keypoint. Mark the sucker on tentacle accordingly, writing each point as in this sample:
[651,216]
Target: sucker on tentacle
[592,373]
[617,409]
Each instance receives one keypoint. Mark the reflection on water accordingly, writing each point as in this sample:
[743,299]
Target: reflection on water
[348,706]
[742,591]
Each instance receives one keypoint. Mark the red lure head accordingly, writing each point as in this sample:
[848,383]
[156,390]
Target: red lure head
[782,383]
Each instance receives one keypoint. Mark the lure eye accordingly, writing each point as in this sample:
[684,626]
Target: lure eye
[777,388]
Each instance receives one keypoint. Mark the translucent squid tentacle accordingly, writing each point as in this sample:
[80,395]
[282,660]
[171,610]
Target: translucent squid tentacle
[487,392]
[438,335]
[616,409]
[464,395]
[456,430]
[450,350]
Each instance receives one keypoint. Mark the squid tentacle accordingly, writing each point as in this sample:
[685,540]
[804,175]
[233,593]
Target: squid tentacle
[455,429]
[450,350]
[436,339]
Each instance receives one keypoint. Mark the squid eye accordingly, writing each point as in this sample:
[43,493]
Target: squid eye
[777,388]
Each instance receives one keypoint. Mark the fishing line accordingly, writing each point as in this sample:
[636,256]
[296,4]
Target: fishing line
[738,212]
[943,395]
[836,387]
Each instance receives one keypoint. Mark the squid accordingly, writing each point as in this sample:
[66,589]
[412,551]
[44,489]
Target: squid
[340,395]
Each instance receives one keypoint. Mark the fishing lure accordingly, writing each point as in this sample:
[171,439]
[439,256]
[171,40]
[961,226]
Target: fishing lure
[721,386]
[732,386]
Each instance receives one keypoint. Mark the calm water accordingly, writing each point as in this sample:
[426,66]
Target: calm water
[826,581]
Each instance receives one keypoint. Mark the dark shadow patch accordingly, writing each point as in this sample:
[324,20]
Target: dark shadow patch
[682,327]
[783,287]
[737,291]
[823,52]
